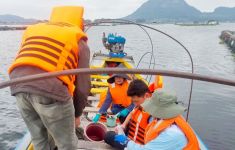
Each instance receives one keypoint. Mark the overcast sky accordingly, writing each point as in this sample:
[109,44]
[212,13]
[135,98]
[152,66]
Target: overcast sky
[40,9]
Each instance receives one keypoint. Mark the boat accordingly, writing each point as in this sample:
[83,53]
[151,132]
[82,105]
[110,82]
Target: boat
[196,23]
[116,58]
[228,37]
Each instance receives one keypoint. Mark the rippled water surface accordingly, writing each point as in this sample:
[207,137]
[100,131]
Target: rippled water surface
[212,112]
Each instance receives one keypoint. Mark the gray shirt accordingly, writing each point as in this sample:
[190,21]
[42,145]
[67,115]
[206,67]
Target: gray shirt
[55,88]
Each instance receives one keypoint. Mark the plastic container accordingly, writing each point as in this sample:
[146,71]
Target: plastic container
[95,132]
[111,120]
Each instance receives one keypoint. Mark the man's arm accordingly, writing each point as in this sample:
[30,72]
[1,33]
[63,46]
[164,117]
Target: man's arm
[82,83]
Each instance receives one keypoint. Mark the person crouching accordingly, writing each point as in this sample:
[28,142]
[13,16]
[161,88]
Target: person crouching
[117,98]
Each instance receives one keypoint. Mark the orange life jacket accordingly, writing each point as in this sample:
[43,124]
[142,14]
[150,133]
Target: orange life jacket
[155,128]
[137,125]
[119,94]
[103,118]
[51,47]
[158,83]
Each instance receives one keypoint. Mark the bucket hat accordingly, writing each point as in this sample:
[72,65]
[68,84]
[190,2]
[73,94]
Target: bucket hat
[111,79]
[163,105]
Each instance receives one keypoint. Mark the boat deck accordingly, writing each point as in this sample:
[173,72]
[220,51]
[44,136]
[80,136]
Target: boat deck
[88,145]
[92,145]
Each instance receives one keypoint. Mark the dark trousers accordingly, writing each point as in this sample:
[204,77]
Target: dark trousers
[109,139]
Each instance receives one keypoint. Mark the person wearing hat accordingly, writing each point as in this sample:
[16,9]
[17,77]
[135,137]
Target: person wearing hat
[54,105]
[159,123]
[168,130]
[139,92]
[117,98]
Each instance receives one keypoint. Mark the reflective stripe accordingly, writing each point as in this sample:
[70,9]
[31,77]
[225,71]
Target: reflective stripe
[72,62]
[74,56]
[139,138]
[39,50]
[46,38]
[56,49]
[43,44]
[137,125]
[157,124]
[38,56]
[132,126]
[42,58]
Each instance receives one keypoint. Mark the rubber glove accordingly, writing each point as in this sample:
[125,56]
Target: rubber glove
[122,139]
[123,113]
[96,118]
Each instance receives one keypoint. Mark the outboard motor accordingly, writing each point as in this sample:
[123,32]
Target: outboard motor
[115,45]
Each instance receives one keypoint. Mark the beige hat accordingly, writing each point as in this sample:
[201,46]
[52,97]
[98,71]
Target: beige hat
[111,79]
[163,105]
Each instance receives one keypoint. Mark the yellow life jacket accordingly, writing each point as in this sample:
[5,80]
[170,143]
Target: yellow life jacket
[52,46]
[154,129]
[137,125]
[119,94]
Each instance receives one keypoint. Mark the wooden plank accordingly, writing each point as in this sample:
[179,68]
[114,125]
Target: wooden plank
[98,90]
[98,83]
[93,110]
[93,98]
[83,145]
[100,76]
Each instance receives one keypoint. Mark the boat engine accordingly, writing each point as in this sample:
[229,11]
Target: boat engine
[115,44]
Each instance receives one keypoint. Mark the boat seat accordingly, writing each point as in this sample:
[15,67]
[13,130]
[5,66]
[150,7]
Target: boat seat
[93,98]
[98,90]
[93,110]
[99,83]
[99,77]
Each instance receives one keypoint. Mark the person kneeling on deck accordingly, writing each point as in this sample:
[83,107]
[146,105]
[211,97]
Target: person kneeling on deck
[156,124]
[116,97]
[47,105]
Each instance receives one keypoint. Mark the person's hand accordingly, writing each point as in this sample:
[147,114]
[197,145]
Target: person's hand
[77,122]
[123,113]
[122,139]
[96,118]
[122,126]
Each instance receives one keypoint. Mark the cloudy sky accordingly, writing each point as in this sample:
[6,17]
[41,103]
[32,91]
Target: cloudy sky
[41,9]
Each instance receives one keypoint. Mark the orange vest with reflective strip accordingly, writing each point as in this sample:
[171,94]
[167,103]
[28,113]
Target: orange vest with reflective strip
[119,94]
[154,129]
[51,47]
[137,125]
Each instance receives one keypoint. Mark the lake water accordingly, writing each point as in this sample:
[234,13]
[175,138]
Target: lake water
[212,113]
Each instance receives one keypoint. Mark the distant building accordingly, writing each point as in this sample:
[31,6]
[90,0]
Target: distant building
[212,22]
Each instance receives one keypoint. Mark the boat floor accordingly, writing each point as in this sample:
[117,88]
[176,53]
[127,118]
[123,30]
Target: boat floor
[92,145]
[88,145]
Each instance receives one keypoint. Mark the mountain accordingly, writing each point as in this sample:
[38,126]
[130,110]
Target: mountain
[222,14]
[177,10]
[13,19]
